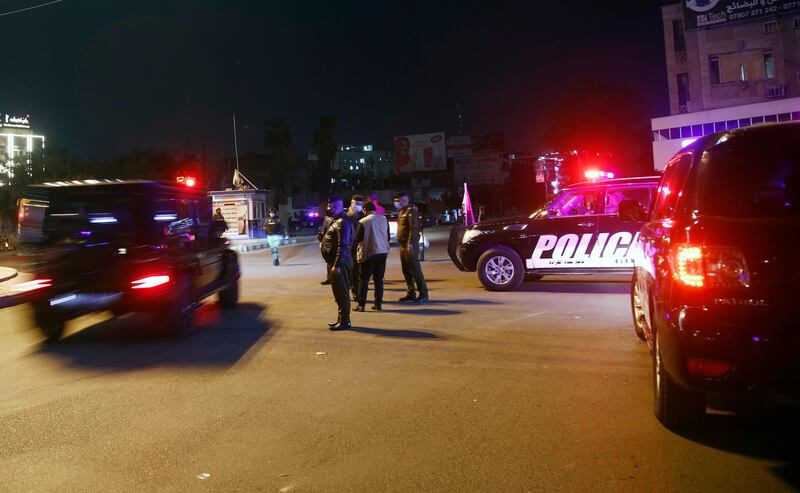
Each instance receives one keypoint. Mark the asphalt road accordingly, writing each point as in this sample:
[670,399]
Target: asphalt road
[545,389]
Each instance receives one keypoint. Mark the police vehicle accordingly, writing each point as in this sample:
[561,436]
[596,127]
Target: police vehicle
[717,266]
[123,246]
[588,228]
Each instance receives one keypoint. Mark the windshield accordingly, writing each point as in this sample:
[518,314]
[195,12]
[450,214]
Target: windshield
[764,180]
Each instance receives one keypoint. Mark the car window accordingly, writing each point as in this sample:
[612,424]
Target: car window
[574,203]
[615,195]
[671,185]
[769,189]
[173,215]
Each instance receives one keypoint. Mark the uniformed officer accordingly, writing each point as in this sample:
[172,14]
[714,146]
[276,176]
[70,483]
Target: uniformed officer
[275,234]
[355,213]
[336,247]
[408,238]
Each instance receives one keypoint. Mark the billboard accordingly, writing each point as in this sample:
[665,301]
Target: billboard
[459,146]
[698,14]
[423,152]
[481,169]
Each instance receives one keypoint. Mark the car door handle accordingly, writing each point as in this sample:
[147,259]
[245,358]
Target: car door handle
[586,225]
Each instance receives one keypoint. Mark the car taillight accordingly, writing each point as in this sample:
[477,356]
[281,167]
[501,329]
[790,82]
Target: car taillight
[711,266]
[687,265]
[150,282]
[33,285]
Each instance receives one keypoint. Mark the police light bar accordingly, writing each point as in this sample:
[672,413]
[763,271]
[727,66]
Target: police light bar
[189,181]
[595,174]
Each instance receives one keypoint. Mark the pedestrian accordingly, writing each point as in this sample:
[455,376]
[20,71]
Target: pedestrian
[336,246]
[275,234]
[408,238]
[372,238]
[219,224]
[326,222]
[379,210]
[355,213]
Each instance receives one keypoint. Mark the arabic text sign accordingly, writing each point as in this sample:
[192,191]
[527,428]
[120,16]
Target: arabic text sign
[708,13]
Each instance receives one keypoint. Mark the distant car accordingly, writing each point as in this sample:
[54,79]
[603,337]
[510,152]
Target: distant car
[123,246]
[717,267]
[586,229]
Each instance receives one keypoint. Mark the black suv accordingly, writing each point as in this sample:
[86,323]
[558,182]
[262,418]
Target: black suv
[716,268]
[123,246]
[588,228]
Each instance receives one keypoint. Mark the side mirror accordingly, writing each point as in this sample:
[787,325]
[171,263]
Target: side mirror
[631,210]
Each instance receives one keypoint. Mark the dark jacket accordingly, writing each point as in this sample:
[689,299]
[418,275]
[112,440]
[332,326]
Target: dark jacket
[274,226]
[408,226]
[337,242]
[324,227]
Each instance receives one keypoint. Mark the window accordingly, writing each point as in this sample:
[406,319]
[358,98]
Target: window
[678,36]
[683,89]
[574,203]
[769,65]
[714,70]
[615,195]
[772,26]
[671,185]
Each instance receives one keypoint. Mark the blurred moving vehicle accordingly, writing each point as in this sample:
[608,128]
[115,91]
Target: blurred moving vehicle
[588,228]
[123,246]
[716,268]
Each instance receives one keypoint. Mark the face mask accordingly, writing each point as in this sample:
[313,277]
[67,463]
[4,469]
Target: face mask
[358,208]
[271,214]
[397,205]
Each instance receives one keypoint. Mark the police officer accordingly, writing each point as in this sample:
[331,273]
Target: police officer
[326,222]
[336,247]
[355,213]
[275,233]
[408,238]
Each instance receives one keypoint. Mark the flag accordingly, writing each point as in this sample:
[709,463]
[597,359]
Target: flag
[466,206]
[238,183]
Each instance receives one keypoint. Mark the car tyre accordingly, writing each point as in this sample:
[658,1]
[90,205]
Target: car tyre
[52,328]
[500,269]
[229,297]
[675,407]
[637,309]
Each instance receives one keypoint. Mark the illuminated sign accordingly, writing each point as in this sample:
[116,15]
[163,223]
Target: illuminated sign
[16,121]
[698,14]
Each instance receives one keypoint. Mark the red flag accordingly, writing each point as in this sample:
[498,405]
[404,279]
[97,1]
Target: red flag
[466,206]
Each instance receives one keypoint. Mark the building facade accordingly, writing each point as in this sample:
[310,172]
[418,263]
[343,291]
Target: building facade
[358,166]
[729,64]
[18,143]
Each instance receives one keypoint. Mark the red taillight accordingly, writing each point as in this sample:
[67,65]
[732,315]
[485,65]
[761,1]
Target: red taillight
[687,265]
[708,368]
[24,287]
[718,267]
[150,282]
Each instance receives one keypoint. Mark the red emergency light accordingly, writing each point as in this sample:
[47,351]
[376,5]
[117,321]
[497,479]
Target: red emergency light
[596,174]
[189,181]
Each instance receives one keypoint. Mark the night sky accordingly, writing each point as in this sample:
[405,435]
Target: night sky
[103,77]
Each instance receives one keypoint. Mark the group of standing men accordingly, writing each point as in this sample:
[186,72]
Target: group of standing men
[355,246]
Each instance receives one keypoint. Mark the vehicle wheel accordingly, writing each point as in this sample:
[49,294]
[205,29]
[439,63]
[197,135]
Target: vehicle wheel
[500,269]
[52,328]
[637,309]
[178,317]
[229,297]
[675,406]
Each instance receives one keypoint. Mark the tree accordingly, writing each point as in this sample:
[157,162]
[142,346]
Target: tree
[278,141]
[601,117]
[324,144]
